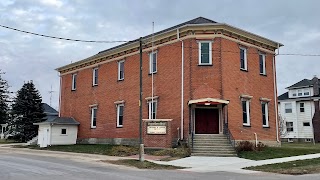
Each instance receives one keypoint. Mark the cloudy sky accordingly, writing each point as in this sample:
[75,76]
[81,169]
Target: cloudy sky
[24,57]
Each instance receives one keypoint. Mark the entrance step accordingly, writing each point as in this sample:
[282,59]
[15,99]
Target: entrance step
[212,145]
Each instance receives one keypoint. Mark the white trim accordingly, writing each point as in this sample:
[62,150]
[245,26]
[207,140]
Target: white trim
[210,52]
[264,71]
[119,102]
[151,62]
[92,115]
[94,83]
[247,111]
[150,98]
[208,100]
[118,114]
[74,81]
[119,70]
[245,96]
[245,58]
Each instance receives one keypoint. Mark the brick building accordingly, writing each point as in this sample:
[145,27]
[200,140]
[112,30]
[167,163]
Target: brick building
[208,78]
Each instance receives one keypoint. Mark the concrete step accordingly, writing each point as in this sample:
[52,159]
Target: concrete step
[220,148]
[214,154]
[213,150]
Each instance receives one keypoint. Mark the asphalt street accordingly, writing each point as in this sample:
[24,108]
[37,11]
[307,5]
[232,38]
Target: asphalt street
[19,166]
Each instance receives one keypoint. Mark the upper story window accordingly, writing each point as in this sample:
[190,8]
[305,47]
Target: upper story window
[121,70]
[94,117]
[262,63]
[294,93]
[243,59]
[120,108]
[301,107]
[246,112]
[299,92]
[152,109]
[95,77]
[306,92]
[74,82]
[288,107]
[265,114]
[205,55]
[153,62]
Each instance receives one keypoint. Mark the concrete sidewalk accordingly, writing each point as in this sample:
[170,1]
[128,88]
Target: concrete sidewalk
[227,164]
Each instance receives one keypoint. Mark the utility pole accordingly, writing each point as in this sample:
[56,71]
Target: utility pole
[141,149]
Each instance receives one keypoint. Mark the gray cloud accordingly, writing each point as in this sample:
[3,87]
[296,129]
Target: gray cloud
[24,57]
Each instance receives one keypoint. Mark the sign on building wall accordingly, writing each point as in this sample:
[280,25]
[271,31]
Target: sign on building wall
[156,128]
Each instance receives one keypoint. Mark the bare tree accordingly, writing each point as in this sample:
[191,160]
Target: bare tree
[282,126]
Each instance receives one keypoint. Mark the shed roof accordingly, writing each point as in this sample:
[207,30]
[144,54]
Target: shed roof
[60,121]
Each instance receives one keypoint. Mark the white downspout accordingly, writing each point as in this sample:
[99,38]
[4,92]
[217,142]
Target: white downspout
[182,83]
[275,96]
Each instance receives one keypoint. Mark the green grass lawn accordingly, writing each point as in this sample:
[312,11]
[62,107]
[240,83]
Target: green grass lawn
[104,149]
[114,150]
[142,165]
[286,150]
[309,166]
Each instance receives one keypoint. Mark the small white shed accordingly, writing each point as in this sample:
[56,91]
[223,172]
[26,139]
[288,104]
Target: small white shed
[57,131]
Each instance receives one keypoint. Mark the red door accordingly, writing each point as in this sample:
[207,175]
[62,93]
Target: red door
[207,121]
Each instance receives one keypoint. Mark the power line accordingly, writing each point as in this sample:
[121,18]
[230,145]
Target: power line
[61,38]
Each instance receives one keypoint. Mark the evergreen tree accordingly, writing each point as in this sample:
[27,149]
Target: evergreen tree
[26,110]
[4,99]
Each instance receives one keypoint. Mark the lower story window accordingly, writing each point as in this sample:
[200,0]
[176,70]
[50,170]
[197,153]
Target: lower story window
[120,115]
[289,126]
[246,112]
[265,116]
[152,109]
[63,131]
[94,117]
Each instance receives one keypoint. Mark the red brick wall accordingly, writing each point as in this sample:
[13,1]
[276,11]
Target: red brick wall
[158,140]
[223,79]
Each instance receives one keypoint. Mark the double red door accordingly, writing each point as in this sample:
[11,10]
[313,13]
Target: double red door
[206,121]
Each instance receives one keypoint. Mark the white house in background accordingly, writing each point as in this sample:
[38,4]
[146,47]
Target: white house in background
[297,108]
[57,131]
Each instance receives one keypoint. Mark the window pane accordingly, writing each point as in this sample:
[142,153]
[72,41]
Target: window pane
[244,114]
[94,116]
[205,53]
[261,63]
[63,131]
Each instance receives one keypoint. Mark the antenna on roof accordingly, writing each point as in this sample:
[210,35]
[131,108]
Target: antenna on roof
[50,92]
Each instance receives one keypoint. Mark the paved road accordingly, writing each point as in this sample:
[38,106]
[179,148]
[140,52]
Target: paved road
[19,166]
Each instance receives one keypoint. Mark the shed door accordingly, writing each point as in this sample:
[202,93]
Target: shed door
[45,137]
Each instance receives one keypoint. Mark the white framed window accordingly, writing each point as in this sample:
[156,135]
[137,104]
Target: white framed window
[152,109]
[243,59]
[306,92]
[74,82]
[94,117]
[120,108]
[95,77]
[246,112]
[153,62]
[289,126]
[301,107]
[265,114]
[299,92]
[63,131]
[205,54]
[121,70]
[262,63]
[288,108]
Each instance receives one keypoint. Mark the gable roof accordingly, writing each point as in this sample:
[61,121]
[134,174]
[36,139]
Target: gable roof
[48,109]
[284,96]
[302,83]
[60,121]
